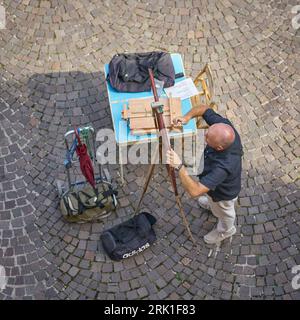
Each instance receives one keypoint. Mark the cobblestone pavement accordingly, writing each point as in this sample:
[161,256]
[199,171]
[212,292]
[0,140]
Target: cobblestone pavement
[51,57]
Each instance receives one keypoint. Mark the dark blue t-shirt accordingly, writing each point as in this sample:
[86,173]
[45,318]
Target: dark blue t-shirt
[222,169]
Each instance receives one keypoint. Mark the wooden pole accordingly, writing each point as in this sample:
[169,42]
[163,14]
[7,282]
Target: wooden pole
[166,143]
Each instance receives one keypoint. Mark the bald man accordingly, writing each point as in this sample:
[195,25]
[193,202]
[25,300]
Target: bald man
[220,181]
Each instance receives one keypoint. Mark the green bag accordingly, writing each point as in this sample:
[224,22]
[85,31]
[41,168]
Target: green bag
[87,204]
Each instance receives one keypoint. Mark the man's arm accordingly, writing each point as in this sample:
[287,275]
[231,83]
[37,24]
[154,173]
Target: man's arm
[194,189]
[194,112]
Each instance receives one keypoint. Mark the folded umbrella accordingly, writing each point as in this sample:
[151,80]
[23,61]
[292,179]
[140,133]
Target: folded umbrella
[85,161]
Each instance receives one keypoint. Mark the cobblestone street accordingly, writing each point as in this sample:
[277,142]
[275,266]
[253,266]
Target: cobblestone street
[52,55]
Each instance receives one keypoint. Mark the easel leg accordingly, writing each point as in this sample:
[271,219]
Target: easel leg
[147,179]
[194,139]
[121,165]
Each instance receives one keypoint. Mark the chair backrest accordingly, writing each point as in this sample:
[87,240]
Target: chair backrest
[205,84]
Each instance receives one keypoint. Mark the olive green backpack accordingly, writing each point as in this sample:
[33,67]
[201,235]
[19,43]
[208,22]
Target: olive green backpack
[88,204]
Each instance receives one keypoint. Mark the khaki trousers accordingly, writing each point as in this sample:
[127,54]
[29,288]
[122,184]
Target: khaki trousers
[225,212]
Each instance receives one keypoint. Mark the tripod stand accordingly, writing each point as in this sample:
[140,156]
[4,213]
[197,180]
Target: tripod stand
[157,108]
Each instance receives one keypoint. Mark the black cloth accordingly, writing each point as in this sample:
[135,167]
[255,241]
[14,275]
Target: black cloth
[128,72]
[129,237]
[222,169]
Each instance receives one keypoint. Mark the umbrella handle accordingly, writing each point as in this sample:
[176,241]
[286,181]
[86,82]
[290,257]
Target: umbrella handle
[77,136]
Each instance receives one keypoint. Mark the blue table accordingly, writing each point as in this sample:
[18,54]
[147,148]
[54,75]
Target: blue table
[121,128]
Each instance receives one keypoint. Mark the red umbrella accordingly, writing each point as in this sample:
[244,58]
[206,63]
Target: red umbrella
[86,165]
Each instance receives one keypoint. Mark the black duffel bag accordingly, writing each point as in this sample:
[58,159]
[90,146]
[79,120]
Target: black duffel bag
[130,237]
[129,72]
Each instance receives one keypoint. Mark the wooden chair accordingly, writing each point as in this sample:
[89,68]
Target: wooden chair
[205,85]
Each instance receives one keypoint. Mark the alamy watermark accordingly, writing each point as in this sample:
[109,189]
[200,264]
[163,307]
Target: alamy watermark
[188,149]
[296,18]
[2,17]
[3,278]
[296,278]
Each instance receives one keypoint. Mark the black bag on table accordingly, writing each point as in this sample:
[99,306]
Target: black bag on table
[130,237]
[129,72]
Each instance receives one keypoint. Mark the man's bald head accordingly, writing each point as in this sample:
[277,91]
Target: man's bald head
[220,136]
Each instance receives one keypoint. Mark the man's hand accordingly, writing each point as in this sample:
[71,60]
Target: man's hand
[172,159]
[180,121]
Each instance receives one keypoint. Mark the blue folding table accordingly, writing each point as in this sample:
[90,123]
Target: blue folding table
[121,128]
